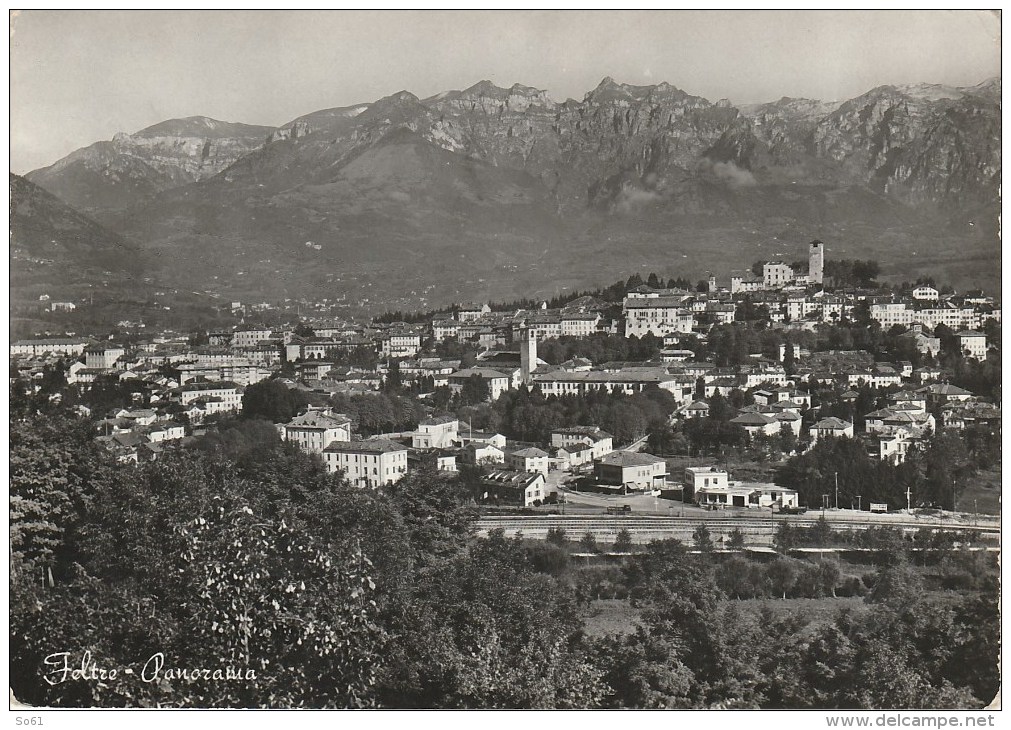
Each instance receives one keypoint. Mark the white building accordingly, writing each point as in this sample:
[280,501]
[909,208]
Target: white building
[399,344]
[925,293]
[889,314]
[579,324]
[657,316]
[698,477]
[757,423]
[776,274]
[313,431]
[638,471]
[483,453]
[436,433]
[215,397]
[370,463]
[599,441]
[470,312]
[529,460]
[445,329]
[895,446]
[972,344]
[519,488]
[49,346]
[622,380]
[746,284]
[497,382]
[251,337]
[165,431]
[103,356]
[831,427]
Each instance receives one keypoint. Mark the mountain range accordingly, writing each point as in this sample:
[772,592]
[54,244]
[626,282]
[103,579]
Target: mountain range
[495,193]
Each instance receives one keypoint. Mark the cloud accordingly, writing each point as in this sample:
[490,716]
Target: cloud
[630,199]
[729,173]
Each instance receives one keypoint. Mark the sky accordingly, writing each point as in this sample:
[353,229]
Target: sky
[78,77]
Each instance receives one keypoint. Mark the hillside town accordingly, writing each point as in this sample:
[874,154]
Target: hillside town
[435,359]
[806,382]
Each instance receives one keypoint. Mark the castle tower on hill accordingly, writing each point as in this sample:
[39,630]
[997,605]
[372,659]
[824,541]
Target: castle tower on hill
[816,263]
[528,354]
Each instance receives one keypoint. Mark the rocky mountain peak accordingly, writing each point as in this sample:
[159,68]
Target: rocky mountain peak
[990,88]
[484,88]
[204,128]
[478,156]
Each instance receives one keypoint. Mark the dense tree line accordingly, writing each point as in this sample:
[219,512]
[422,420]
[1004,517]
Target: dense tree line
[600,348]
[363,357]
[528,415]
[273,401]
[324,595]
[375,413]
[934,474]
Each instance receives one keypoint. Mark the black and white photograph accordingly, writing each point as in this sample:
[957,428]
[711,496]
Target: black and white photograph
[505,360]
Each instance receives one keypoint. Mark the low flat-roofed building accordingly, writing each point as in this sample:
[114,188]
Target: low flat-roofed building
[514,487]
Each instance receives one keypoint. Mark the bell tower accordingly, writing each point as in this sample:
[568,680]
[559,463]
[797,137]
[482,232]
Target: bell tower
[528,354]
[816,263]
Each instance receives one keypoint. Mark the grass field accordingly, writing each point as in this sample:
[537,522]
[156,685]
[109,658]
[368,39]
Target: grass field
[819,611]
[610,616]
[741,469]
[617,616]
[983,494]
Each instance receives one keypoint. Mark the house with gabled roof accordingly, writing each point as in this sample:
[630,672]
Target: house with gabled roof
[599,441]
[314,430]
[529,459]
[831,427]
[757,423]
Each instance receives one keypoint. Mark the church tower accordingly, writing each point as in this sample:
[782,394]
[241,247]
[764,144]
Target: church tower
[528,354]
[816,263]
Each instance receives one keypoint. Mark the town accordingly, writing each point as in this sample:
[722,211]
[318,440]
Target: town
[645,390]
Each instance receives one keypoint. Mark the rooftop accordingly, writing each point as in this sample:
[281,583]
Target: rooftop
[438,420]
[630,458]
[369,446]
[530,453]
[833,423]
[315,419]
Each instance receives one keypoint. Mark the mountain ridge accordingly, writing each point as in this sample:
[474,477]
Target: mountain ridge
[650,168]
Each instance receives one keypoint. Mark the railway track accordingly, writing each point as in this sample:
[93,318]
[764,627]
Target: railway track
[644,529]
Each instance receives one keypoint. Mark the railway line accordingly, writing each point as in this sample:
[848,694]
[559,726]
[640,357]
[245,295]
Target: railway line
[757,531]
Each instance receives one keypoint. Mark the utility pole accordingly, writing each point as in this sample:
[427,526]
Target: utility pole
[837,490]
[908,507]
[858,503]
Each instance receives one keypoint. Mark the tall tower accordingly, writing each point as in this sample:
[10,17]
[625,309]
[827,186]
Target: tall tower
[528,354]
[816,263]
[712,282]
